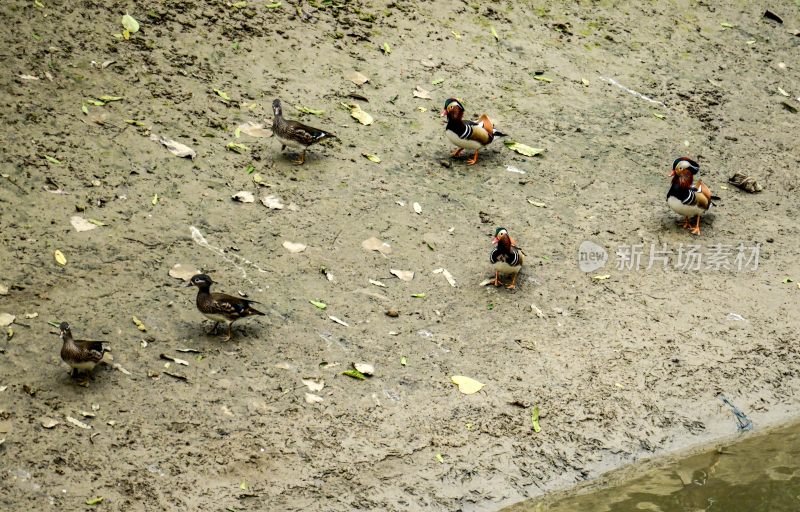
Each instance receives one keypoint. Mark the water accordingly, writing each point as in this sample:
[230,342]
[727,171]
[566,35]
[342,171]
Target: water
[760,473]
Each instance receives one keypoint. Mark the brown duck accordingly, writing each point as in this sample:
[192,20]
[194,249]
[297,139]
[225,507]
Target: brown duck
[81,355]
[220,307]
[295,134]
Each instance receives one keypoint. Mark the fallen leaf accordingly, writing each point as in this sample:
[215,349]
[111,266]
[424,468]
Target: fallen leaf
[243,196]
[357,78]
[139,324]
[419,92]
[418,295]
[535,419]
[176,148]
[175,360]
[788,280]
[455,34]
[403,275]
[98,500]
[81,224]
[313,399]
[537,311]
[3,289]
[274,5]
[52,160]
[294,247]
[338,321]
[96,222]
[130,24]
[49,423]
[78,423]
[403,361]
[417,208]
[373,244]
[28,77]
[237,148]
[307,110]
[659,115]
[386,48]
[154,201]
[31,315]
[314,384]
[602,278]
[183,271]
[272,202]
[536,203]
[362,117]
[365,368]
[320,305]
[355,374]
[178,376]
[449,277]
[466,385]
[585,82]
[254,129]
[222,94]
[494,33]
[109,99]
[523,149]
[60,258]
[783,92]
[372,158]
[377,283]
[727,25]
[437,81]
[119,367]
[439,458]
[543,78]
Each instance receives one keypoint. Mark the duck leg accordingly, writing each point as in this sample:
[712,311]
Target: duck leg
[302,158]
[696,230]
[497,279]
[686,223]
[230,334]
[457,152]
[213,328]
[513,282]
[474,159]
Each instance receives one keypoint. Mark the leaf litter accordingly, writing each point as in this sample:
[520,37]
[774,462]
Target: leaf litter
[373,244]
[466,385]
[176,148]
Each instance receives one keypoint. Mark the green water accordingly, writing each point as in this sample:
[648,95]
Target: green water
[759,473]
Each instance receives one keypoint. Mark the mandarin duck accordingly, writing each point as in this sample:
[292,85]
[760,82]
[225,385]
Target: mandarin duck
[81,355]
[467,134]
[295,134]
[506,257]
[220,307]
[684,197]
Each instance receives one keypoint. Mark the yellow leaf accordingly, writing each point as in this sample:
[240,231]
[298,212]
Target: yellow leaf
[466,385]
[601,278]
[60,258]
[363,117]
[155,200]
[372,158]
[139,324]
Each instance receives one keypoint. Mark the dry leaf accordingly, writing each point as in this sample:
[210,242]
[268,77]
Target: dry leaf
[537,311]
[523,149]
[254,129]
[139,324]
[3,289]
[294,247]
[377,283]
[466,385]
[373,244]
[6,319]
[365,368]
[313,399]
[536,203]
[78,423]
[417,208]
[176,148]
[314,384]
[31,315]
[421,93]
[49,422]
[338,321]
[119,367]
[272,202]
[60,258]
[403,275]
[357,78]
[174,359]
[447,275]
[362,117]
[243,196]
[181,271]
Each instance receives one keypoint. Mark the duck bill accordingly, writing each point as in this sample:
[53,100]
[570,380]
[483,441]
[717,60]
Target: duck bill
[189,284]
[495,240]
[443,112]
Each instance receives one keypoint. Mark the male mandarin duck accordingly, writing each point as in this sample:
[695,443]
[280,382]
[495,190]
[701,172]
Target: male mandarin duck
[686,199]
[295,134]
[506,257]
[220,307]
[81,355]
[467,134]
